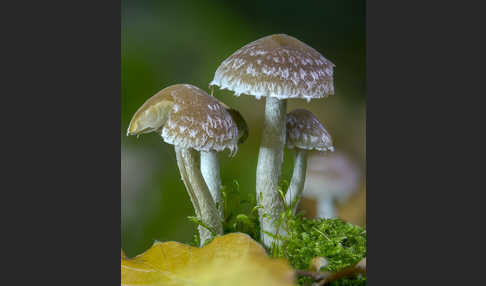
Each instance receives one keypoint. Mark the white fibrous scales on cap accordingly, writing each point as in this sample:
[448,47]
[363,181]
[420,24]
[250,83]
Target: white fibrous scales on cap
[199,121]
[187,117]
[306,132]
[278,66]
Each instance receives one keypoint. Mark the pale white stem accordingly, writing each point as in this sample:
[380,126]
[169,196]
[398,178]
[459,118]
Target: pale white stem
[269,166]
[211,174]
[294,193]
[201,199]
[325,208]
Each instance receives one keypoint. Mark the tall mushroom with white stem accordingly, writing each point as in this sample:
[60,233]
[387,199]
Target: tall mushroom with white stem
[191,120]
[277,67]
[304,133]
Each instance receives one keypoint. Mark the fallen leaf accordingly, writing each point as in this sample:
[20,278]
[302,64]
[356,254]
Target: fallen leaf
[233,259]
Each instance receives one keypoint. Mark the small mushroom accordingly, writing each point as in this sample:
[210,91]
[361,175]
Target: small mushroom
[330,178]
[304,133]
[191,120]
[277,67]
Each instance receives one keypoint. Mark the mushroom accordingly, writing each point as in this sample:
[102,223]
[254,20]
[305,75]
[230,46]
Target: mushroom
[277,67]
[211,174]
[209,159]
[191,120]
[331,178]
[304,133]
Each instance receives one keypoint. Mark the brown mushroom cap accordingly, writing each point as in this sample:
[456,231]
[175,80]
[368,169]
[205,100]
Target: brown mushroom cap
[186,116]
[305,131]
[279,66]
[331,175]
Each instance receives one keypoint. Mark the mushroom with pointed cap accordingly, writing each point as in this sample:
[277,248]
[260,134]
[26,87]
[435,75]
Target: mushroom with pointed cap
[191,120]
[277,67]
[304,133]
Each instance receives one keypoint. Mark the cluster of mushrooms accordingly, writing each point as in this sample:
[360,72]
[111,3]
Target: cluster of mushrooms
[278,67]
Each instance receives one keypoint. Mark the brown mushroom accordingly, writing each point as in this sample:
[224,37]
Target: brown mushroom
[304,133]
[277,67]
[191,120]
[330,179]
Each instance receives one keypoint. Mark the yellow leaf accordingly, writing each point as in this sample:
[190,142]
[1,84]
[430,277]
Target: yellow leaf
[233,259]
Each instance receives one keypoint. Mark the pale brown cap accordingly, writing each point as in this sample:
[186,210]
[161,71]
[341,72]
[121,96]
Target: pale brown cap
[279,66]
[186,116]
[305,131]
[334,176]
[153,114]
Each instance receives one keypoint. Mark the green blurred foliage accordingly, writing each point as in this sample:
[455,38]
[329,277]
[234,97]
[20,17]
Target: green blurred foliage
[169,42]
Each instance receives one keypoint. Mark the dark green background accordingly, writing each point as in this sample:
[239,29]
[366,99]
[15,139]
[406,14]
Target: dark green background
[169,42]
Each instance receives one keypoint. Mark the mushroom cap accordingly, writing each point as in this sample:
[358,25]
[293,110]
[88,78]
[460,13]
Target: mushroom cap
[153,113]
[241,124]
[279,66]
[331,176]
[239,120]
[186,116]
[305,131]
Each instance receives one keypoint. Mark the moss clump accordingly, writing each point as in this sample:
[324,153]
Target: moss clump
[343,244]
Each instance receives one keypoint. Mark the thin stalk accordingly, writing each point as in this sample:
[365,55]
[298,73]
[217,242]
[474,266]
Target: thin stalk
[294,193]
[211,174]
[201,199]
[325,208]
[269,167]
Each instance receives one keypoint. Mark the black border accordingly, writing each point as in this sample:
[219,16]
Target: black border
[422,71]
[61,142]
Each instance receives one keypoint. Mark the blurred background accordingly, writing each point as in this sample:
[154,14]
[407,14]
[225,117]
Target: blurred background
[169,42]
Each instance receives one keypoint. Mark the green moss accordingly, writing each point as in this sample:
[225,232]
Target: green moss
[358,281]
[240,213]
[343,244]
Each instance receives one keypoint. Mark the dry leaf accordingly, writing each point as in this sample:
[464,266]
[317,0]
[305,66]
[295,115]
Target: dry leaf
[233,259]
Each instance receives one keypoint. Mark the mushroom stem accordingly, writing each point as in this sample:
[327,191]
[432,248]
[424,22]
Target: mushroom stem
[294,193]
[201,199]
[269,165]
[325,208]
[211,174]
